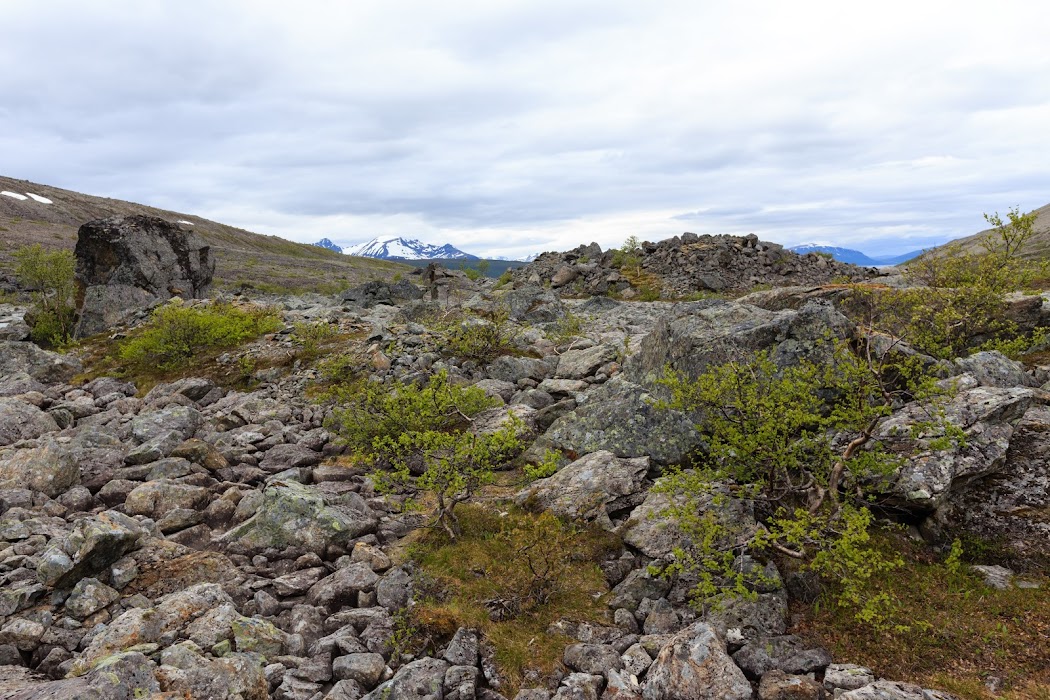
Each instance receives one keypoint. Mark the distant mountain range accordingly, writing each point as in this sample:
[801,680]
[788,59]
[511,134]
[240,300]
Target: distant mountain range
[848,255]
[398,248]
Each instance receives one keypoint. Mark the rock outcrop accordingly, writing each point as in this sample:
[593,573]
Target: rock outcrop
[125,265]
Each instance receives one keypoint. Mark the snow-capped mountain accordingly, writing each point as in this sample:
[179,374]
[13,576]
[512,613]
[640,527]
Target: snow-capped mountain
[848,255]
[327,243]
[399,248]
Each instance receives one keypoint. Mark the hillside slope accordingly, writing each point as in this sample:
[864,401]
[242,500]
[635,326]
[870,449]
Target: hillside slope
[244,258]
[1038,247]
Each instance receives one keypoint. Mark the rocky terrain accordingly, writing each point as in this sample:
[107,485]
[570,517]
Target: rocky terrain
[191,539]
[683,265]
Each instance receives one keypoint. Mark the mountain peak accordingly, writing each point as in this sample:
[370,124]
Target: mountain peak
[327,243]
[400,248]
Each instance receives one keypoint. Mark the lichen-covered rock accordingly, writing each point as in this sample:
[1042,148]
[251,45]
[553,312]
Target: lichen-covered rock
[786,653]
[93,545]
[589,489]
[621,417]
[294,514]
[49,469]
[657,534]
[777,685]
[579,364]
[694,664]
[22,421]
[125,265]
[422,679]
[342,586]
[149,625]
[985,415]
[158,498]
[29,360]
[89,596]
[699,335]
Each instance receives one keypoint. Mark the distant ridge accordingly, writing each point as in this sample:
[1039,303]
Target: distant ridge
[398,248]
[855,257]
[327,243]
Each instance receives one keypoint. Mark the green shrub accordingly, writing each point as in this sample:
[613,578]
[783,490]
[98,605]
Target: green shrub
[51,277]
[960,308]
[177,333]
[310,335]
[472,274]
[473,338]
[800,442]
[548,467]
[506,278]
[568,327]
[407,427]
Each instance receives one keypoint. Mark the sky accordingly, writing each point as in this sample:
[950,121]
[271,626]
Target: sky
[513,127]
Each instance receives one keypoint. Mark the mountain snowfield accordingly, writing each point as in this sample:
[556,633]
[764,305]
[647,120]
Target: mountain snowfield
[28,195]
[396,247]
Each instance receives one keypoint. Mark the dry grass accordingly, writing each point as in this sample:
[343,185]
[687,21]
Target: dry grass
[482,565]
[949,630]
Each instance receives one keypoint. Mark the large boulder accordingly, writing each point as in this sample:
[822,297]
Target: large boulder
[50,469]
[622,418]
[986,416]
[591,488]
[22,421]
[27,360]
[694,664]
[125,265]
[699,335]
[294,514]
[376,292]
[657,534]
[93,545]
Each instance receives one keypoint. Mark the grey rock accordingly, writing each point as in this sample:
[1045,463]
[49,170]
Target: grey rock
[694,664]
[342,586]
[578,364]
[533,304]
[463,649]
[580,686]
[739,619]
[30,361]
[621,417]
[376,292]
[699,335]
[367,669]
[636,660]
[91,547]
[183,420]
[662,619]
[777,685]
[394,589]
[157,498]
[995,576]
[419,680]
[282,457]
[656,534]
[89,596]
[992,368]
[785,653]
[125,265]
[512,369]
[636,587]
[22,421]
[987,417]
[292,514]
[589,489]
[886,690]
[50,469]
[592,658]
[847,677]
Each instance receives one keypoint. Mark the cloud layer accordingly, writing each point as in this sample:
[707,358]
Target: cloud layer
[512,127]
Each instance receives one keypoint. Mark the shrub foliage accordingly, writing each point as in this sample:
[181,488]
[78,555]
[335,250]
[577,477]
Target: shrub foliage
[50,274]
[177,333]
[419,439]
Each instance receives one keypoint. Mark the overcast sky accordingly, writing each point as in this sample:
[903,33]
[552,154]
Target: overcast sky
[508,128]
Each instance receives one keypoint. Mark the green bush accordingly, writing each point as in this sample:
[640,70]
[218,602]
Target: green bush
[506,278]
[406,428]
[51,277]
[177,333]
[473,338]
[800,442]
[960,306]
[310,335]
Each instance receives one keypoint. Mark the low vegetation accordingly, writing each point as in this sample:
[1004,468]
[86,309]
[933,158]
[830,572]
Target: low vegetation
[417,439]
[800,443]
[510,575]
[177,333]
[49,274]
[945,628]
